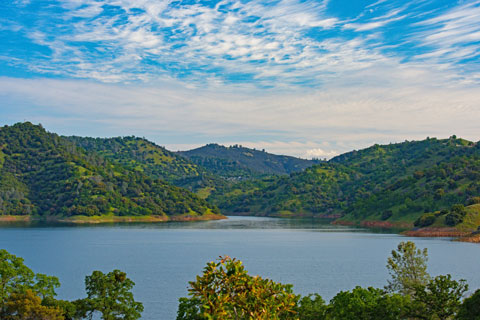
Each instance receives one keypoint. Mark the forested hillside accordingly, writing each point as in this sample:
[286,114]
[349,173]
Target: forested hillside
[154,161]
[434,182]
[47,175]
[237,162]
[396,182]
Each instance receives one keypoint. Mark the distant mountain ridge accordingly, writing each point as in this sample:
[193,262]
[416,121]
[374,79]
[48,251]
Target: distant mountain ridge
[46,175]
[240,162]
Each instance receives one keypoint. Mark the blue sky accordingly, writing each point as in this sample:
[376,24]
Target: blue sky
[306,78]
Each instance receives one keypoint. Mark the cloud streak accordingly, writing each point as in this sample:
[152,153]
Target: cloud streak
[333,120]
[300,77]
[270,44]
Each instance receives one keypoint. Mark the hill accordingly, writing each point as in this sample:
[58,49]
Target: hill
[395,183]
[46,175]
[154,161]
[237,162]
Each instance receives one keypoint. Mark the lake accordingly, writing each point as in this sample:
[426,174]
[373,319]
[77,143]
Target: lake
[162,258]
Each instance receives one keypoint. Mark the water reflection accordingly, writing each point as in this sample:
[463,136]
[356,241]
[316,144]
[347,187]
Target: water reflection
[233,222]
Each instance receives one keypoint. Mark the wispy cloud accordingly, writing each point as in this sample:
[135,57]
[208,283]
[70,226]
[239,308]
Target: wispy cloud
[377,21]
[453,36]
[271,44]
[333,120]
[303,77]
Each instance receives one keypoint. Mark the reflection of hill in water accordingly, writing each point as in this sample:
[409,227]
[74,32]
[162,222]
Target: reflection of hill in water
[232,222]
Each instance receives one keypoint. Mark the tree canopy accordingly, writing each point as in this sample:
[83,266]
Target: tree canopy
[408,268]
[227,291]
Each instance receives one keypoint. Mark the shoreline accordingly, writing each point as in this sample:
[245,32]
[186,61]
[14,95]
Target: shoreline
[111,219]
[403,228]
[409,231]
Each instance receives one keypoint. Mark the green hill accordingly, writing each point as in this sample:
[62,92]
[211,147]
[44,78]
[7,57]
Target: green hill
[238,163]
[154,161]
[396,183]
[47,175]
[429,183]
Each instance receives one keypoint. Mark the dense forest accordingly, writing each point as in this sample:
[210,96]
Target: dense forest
[154,161]
[433,182]
[46,175]
[395,182]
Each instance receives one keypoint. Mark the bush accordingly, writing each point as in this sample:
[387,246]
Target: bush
[368,304]
[312,307]
[456,215]
[387,214]
[425,220]
[470,308]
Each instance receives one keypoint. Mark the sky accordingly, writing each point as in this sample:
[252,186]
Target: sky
[303,78]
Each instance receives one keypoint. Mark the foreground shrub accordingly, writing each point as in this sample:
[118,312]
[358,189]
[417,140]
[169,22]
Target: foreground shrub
[227,291]
[368,304]
[470,308]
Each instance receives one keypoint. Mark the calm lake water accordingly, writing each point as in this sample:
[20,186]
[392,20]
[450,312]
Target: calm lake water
[162,258]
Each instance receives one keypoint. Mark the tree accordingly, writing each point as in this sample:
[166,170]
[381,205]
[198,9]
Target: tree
[440,299]
[71,310]
[312,307]
[110,295]
[470,308]
[45,285]
[227,291]
[367,304]
[190,308]
[14,277]
[408,268]
[27,306]
[456,215]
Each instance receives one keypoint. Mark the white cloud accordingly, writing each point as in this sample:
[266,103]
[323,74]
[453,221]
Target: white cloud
[320,154]
[327,94]
[449,32]
[269,44]
[336,118]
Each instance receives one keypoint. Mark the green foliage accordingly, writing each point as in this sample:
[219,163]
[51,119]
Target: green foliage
[47,175]
[456,215]
[321,189]
[27,305]
[470,308]
[425,220]
[311,307]
[226,291]
[14,277]
[19,283]
[407,267]
[26,295]
[439,299]
[396,182]
[368,304]
[110,294]
[387,214]
[190,309]
[45,285]
[70,310]
[152,160]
